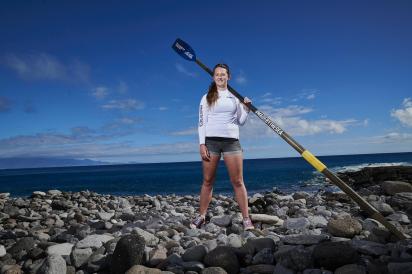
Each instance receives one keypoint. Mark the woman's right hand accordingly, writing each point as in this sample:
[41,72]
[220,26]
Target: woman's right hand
[204,152]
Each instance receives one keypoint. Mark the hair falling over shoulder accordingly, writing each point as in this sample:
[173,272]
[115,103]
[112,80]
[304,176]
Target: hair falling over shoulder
[212,94]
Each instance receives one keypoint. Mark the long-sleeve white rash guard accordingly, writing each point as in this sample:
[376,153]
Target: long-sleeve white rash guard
[223,118]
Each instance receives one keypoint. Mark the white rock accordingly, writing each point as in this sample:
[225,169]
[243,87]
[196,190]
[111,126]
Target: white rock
[4,195]
[39,193]
[234,240]
[54,192]
[54,264]
[264,218]
[318,221]
[95,240]
[150,239]
[60,249]
[105,216]
[2,251]
[81,255]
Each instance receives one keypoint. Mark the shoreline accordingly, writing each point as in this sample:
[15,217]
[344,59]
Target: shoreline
[86,232]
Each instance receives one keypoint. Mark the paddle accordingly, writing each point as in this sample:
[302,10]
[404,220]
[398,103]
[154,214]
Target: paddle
[185,51]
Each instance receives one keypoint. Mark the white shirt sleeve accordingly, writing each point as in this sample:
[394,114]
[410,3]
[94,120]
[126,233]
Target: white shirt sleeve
[241,113]
[203,112]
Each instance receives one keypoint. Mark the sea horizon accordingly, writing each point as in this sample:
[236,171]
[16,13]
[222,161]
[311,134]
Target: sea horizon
[285,174]
[198,161]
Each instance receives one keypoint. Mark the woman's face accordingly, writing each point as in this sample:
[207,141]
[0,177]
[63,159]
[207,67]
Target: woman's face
[221,77]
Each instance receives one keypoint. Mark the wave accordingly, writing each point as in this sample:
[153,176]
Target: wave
[318,180]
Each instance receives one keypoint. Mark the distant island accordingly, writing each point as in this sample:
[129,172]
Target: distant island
[37,162]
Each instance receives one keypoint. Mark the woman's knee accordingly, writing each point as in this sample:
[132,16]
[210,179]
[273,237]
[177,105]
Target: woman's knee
[237,182]
[208,181]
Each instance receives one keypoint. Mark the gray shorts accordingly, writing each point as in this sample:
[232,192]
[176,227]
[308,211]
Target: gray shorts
[221,145]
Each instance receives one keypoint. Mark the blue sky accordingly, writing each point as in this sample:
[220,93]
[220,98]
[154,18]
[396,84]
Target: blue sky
[99,80]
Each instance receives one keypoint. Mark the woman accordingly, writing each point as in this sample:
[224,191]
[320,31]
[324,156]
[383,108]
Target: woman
[220,115]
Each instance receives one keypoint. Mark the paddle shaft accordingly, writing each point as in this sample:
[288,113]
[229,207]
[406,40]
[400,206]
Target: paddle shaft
[318,165]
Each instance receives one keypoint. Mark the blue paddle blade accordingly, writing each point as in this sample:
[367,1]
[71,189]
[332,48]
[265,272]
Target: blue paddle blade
[184,50]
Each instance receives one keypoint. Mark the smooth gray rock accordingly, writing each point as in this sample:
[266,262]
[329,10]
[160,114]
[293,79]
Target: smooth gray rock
[344,227]
[264,256]
[23,245]
[130,250]
[318,221]
[54,264]
[301,239]
[296,223]
[150,239]
[296,258]
[80,256]
[195,253]
[264,218]
[223,220]
[105,216]
[157,255]
[393,187]
[94,241]
[383,208]
[224,257]
[60,249]
[234,240]
[2,251]
[399,217]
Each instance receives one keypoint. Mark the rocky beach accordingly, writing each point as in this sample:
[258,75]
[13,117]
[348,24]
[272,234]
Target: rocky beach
[323,232]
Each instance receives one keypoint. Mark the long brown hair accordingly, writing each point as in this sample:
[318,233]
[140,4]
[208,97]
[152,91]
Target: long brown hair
[212,93]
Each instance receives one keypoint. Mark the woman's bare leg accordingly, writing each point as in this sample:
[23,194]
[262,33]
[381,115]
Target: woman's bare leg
[234,164]
[209,175]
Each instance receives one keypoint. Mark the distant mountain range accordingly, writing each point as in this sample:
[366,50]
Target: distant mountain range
[36,162]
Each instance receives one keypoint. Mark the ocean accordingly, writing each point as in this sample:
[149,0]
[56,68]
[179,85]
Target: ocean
[285,174]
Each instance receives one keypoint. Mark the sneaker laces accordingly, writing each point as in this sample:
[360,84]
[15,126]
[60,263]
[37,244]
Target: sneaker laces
[197,222]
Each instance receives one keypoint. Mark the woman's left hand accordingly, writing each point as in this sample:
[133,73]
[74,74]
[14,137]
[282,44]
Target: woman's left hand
[247,102]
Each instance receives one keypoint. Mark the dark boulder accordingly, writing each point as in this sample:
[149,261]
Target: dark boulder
[129,251]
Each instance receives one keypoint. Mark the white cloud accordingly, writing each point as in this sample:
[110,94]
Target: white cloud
[311,96]
[306,94]
[100,92]
[129,120]
[45,66]
[291,110]
[394,137]
[126,104]
[163,108]
[404,115]
[182,69]
[289,119]
[190,131]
